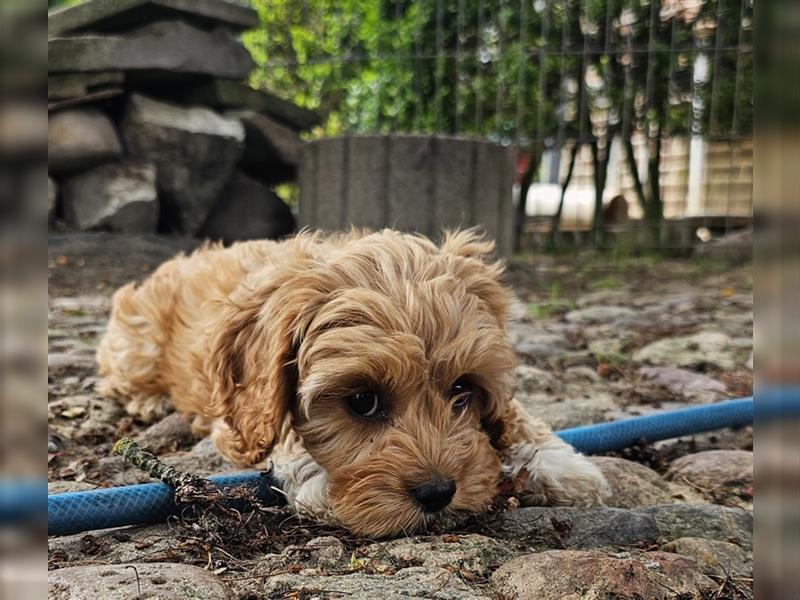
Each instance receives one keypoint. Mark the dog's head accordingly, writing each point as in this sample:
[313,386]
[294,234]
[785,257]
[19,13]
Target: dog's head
[389,358]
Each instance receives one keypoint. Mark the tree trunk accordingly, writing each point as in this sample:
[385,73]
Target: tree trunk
[556,220]
[655,212]
[524,186]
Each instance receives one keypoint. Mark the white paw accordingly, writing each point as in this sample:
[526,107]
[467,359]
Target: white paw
[556,475]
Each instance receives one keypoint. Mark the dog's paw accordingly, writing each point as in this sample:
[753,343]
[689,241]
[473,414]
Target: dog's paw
[555,475]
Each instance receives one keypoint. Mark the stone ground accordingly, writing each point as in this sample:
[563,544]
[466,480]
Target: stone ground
[597,339]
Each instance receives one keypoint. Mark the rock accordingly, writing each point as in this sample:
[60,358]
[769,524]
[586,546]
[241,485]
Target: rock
[131,544]
[634,485]
[167,435]
[202,459]
[476,554]
[75,85]
[573,405]
[80,138]
[531,380]
[52,197]
[327,552]
[712,522]
[117,197]
[226,94]
[245,210]
[686,384]
[580,528]
[121,15]
[271,150]
[533,344]
[571,575]
[607,527]
[724,476]
[163,48]
[599,314]
[413,582]
[194,150]
[166,581]
[701,350]
[61,487]
[722,559]
[582,373]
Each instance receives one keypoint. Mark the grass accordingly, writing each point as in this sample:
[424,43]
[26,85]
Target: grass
[555,304]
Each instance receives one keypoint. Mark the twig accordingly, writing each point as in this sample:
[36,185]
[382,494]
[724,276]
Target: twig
[188,487]
[138,583]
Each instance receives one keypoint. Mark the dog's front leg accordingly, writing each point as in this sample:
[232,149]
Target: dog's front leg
[554,473]
[303,481]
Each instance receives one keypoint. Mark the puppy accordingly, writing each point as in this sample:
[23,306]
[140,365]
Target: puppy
[372,369]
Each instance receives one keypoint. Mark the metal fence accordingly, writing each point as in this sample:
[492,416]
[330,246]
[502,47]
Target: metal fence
[633,118]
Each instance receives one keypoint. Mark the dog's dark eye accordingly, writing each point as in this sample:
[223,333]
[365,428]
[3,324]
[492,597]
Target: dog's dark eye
[462,392]
[365,404]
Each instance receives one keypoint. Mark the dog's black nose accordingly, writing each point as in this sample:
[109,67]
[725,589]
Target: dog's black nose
[435,495]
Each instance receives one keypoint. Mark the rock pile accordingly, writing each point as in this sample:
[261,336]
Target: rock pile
[152,128]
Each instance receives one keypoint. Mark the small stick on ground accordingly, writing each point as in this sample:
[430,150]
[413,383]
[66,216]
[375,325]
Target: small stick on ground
[188,487]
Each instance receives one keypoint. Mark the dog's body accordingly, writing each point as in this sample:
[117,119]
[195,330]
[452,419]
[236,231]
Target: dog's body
[372,369]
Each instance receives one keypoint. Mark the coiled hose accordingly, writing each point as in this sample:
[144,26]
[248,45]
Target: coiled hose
[73,512]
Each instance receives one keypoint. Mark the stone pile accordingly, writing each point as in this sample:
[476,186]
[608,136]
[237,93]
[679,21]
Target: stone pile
[152,128]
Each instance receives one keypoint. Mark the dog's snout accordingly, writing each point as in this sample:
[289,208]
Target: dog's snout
[435,495]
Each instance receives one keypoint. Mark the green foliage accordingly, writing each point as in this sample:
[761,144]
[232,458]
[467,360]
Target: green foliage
[511,71]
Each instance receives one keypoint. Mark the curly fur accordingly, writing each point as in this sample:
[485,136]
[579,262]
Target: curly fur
[261,342]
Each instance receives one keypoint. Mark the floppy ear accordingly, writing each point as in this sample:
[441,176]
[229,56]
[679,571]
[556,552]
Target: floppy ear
[471,263]
[252,367]
[481,275]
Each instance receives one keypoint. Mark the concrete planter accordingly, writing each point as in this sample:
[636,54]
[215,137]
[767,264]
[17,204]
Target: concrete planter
[408,182]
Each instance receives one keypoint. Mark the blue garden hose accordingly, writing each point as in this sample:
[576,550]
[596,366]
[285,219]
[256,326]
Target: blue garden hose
[73,512]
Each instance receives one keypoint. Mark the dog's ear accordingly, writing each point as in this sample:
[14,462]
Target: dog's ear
[252,365]
[471,262]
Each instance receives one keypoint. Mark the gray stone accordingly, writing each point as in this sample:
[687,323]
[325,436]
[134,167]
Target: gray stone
[166,47]
[721,559]
[707,348]
[247,209]
[634,485]
[531,380]
[599,314]
[534,345]
[75,85]
[580,528]
[131,544]
[121,15]
[166,581]
[572,575]
[582,373]
[727,524]
[413,184]
[573,405]
[598,527]
[271,150]
[724,476]
[80,138]
[194,150]
[226,94]
[61,487]
[474,554]
[686,384]
[412,582]
[167,435]
[117,197]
